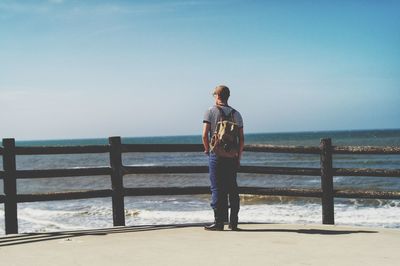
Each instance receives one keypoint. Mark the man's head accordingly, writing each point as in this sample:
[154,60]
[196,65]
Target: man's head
[222,92]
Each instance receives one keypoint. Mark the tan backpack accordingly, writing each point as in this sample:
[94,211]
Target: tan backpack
[225,140]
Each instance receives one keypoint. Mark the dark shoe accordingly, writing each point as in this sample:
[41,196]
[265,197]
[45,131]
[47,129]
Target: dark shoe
[214,227]
[234,227]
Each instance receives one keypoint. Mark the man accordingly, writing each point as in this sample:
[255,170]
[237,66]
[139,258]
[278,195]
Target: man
[222,170]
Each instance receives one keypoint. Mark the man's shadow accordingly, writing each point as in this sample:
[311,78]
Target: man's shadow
[307,231]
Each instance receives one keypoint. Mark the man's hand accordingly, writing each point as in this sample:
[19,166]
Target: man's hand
[206,143]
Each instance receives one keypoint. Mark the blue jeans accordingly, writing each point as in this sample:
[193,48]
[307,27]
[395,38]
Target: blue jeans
[223,185]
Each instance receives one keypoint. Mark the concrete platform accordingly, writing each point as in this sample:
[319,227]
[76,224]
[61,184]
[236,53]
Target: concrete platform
[256,244]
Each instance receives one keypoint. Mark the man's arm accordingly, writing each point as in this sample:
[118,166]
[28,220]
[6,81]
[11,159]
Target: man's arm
[241,143]
[205,137]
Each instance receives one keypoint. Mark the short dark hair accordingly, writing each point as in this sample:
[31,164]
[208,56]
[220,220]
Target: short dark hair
[223,91]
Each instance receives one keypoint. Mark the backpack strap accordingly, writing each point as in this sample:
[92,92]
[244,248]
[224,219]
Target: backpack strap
[222,115]
[232,115]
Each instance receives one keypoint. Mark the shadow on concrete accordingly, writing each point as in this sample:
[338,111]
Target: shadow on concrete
[12,240]
[20,239]
[310,231]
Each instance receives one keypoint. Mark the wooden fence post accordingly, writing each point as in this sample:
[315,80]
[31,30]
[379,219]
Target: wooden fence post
[328,216]
[10,187]
[117,181]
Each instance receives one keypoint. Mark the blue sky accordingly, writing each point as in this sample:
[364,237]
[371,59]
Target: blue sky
[84,69]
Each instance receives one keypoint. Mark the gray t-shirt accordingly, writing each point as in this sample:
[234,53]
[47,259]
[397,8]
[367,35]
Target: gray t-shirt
[212,116]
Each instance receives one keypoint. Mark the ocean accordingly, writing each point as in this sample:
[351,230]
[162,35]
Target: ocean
[97,213]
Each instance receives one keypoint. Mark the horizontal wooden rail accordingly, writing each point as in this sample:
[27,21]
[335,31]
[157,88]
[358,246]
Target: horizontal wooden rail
[43,150]
[289,192]
[61,150]
[164,169]
[366,172]
[204,169]
[261,148]
[365,150]
[316,150]
[162,148]
[21,150]
[52,196]
[280,170]
[63,172]
[357,194]
[159,191]
[281,149]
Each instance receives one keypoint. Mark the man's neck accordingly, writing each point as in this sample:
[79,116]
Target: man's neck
[221,103]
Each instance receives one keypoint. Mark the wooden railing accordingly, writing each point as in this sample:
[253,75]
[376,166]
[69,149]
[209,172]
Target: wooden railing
[117,170]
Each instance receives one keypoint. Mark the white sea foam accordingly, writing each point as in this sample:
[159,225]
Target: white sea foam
[96,214]
[280,213]
[169,217]
[387,215]
[143,164]
[38,220]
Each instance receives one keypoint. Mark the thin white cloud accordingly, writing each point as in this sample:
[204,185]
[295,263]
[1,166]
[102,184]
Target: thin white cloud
[83,8]
[56,1]
[11,8]
[139,8]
